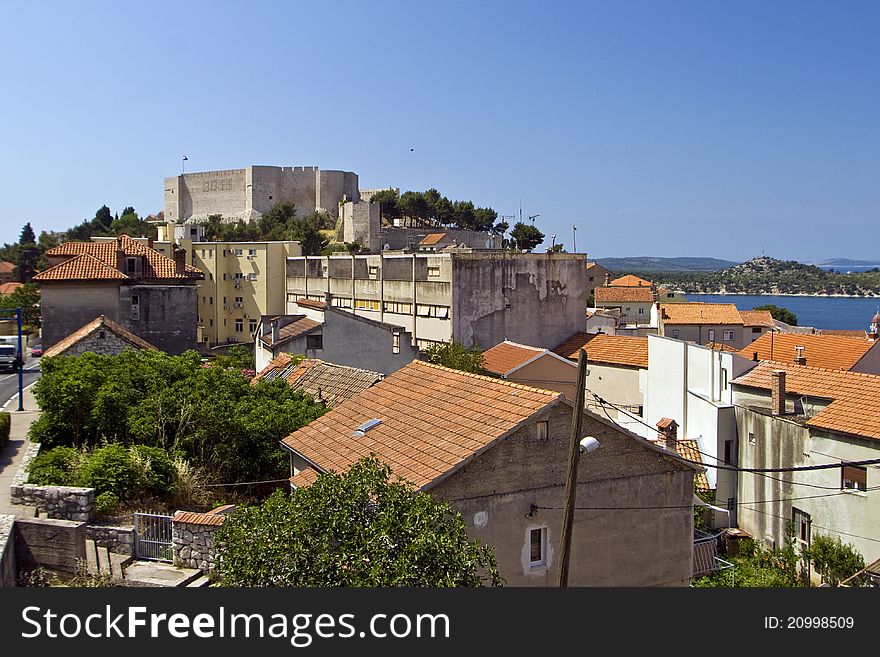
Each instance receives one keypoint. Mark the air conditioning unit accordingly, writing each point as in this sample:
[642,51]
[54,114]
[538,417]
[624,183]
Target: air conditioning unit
[238,283]
[239,304]
[250,257]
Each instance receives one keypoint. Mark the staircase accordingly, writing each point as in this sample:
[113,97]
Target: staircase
[102,562]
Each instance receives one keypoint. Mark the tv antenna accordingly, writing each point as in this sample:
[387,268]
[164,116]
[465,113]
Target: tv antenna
[532,218]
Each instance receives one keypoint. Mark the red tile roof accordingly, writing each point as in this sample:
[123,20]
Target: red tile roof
[700,313]
[98,261]
[326,382]
[6,267]
[9,288]
[433,238]
[690,449]
[291,331]
[630,280]
[757,318]
[100,322]
[315,305]
[506,356]
[624,295]
[432,421]
[835,352]
[856,396]
[192,518]
[304,478]
[612,349]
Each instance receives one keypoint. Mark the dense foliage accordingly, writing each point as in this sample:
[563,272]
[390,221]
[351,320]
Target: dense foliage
[765,275]
[209,414]
[456,356]
[779,313]
[28,299]
[357,529]
[430,208]
[525,237]
[833,559]
[282,222]
[755,566]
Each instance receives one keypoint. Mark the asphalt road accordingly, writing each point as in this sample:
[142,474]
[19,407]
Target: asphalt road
[9,383]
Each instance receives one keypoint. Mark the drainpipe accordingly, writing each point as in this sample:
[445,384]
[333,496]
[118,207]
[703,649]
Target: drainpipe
[684,415]
[414,339]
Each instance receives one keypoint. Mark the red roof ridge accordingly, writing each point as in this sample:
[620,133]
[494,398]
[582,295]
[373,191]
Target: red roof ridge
[490,379]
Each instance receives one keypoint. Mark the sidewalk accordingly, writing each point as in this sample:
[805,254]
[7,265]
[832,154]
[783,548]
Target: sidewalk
[12,454]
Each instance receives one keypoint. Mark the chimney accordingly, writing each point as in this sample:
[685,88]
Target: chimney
[778,393]
[120,258]
[669,430]
[607,279]
[179,261]
[799,358]
[755,356]
[275,332]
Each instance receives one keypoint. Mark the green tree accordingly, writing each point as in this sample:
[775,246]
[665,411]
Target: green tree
[358,529]
[556,248]
[833,559]
[780,314]
[525,237]
[27,235]
[28,299]
[456,356]
[388,204]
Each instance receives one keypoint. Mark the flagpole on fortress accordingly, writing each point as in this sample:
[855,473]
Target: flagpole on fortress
[183,165]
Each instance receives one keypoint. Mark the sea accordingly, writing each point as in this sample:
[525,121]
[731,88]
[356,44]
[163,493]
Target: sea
[851,313]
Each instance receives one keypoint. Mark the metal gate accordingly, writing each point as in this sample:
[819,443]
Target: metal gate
[152,536]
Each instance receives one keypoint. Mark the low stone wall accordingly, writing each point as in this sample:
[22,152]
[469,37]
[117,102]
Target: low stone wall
[192,539]
[115,539]
[54,544]
[7,551]
[58,502]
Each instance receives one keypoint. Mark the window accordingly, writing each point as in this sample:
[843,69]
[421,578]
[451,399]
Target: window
[252,277]
[133,266]
[237,252]
[723,379]
[542,430]
[711,335]
[210,323]
[238,276]
[729,452]
[395,343]
[538,547]
[135,307]
[210,301]
[433,272]
[752,439]
[252,326]
[675,333]
[373,272]
[252,252]
[727,335]
[342,302]
[641,311]
[429,310]
[239,325]
[315,341]
[367,304]
[239,302]
[854,477]
[398,308]
[801,521]
[756,329]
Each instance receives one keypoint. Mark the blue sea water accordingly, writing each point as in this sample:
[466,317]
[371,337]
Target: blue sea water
[853,313]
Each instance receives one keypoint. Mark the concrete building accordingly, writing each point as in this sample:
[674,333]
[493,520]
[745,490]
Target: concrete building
[243,281]
[101,336]
[532,366]
[247,193]
[834,352]
[691,385]
[795,415]
[702,323]
[476,298]
[756,323]
[498,453]
[339,337]
[634,303]
[616,370]
[147,293]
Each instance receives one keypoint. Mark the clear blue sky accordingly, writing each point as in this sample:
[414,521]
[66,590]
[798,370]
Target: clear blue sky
[666,128]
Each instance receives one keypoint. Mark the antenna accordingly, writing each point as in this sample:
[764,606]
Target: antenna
[532,218]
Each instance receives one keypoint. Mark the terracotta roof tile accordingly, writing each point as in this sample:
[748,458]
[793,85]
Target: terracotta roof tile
[304,478]
[310,303]
[9,288]
[719,346]
[98,323]
[690,449]
[6,267]
[506,356]
[433,238]
[432,420]
[611,349]
[624,294]
[855,396]
[288,332]
[832,351]
[700,313]
[326,382]
[630,280]
[82,265]
[192,518]
[757,318]
[844,332]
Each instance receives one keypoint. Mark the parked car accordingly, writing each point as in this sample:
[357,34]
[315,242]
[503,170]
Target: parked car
[37,350]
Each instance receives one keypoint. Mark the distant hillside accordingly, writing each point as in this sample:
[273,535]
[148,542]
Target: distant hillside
[764,275]
[846,262]
[649,263]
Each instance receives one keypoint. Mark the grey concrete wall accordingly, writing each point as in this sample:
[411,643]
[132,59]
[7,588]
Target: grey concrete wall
[67,308]
[349,340]
[538,300]
[870,362]
[7,551]
[699,333]
[168,315]
[193,545]
[495,491]
[54,544]
[395,238]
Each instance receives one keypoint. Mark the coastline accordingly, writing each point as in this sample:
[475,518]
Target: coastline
[780,294]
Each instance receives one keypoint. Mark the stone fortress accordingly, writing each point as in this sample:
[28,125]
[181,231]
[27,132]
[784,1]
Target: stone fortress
[245,194]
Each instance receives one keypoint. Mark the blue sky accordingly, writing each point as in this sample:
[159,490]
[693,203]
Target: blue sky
[675,128]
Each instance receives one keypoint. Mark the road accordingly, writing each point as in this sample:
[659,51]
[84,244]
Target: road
[9,384]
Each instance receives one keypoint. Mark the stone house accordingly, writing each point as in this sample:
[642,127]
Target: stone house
[703,323]
[797,415]
[148,294]
[498,453]
[101,336]
[532,366]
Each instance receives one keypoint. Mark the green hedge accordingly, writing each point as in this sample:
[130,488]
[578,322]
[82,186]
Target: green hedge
[5,425]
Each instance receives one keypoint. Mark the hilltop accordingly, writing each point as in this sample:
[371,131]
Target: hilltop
[650,263]
[766,275]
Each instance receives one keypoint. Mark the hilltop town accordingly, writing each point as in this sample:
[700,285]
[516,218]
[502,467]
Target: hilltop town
[279,353]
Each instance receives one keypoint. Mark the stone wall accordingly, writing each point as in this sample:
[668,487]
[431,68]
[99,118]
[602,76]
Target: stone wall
[54,544]
[115,539]
[100,341]
[58,502]
[193,544]
[7,551]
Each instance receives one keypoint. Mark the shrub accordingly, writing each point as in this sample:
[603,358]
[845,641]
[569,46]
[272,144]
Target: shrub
[110,469]
[54,467]
[106,503]
[5,426]
[156,471]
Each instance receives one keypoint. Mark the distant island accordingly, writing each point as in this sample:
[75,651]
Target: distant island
[650,263]
[761,275]
[846,262]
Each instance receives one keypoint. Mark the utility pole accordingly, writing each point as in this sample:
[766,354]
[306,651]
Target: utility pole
[574,451]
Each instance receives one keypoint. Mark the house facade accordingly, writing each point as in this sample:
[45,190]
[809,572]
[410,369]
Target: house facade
[498,453]
[532,366]
[702,323]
